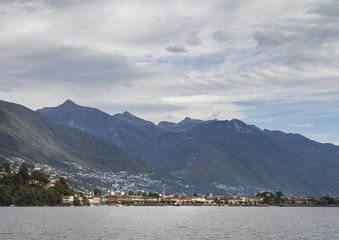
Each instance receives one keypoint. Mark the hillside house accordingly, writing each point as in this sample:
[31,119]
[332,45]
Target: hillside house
[68,199]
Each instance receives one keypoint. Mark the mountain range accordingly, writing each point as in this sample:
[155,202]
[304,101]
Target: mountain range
[123,130]
[89,161]
[233,153]
[27,134]
[216,156]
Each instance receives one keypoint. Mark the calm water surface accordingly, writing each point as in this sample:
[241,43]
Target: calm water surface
[168,223]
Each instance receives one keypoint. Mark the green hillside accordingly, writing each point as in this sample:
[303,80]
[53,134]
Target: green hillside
[31,136]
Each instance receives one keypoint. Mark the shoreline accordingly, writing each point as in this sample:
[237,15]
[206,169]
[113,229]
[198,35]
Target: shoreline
[225,206]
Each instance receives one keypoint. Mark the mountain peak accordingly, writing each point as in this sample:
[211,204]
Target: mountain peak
[68,102]
[125,115]
[240,126]
[68,105]
[128,114]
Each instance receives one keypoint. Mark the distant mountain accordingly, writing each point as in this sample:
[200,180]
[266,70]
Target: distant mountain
[183,126]
[149,128]
[29,135]
[236,154]
[33,137]
[227,153]
[121,129]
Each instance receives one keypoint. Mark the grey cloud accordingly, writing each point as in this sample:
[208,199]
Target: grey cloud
[220,36]
[145,109]
[176,49]
[269,39]
[328,9]
[5,90]
[34,5]
[71,65]
[192,39]
[297,43]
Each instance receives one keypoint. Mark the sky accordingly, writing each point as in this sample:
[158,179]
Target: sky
[274,64]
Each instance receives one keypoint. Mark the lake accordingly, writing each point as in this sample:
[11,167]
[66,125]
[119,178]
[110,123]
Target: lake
[169,223]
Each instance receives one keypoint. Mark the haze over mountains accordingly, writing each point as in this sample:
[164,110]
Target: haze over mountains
[227,153]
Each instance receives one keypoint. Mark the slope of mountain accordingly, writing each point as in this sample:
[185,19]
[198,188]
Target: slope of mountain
[149,128]
[31,136]
[121,129]
[326,152]
[183,126]
[233,153]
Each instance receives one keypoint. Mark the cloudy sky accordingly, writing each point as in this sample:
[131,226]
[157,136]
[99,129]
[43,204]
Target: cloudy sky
[274,64]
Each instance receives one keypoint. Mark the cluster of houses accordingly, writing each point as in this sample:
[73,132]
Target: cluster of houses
[116,198]
[173,200]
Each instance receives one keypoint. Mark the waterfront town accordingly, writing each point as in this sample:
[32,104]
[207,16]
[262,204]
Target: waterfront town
[63,195]
[155,199]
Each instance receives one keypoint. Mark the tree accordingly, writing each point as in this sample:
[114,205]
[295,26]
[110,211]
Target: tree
[85,201]
[151,194]
[268,197]
[294,201]
[144,194]
[76,202]
[23,172]
[62,188]
[327,200]
[97,192]
[5,196]
[40,176]
[278,196]
[51,197]
[14,189]
[6,166]
[130,193]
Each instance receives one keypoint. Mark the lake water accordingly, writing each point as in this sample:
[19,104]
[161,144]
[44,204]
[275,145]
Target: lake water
[169,223]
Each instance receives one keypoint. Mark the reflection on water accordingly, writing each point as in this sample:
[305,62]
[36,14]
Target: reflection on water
[169,223]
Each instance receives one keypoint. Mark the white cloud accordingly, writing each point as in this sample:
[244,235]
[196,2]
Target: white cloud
[320,135]
[307,125]
[231,59]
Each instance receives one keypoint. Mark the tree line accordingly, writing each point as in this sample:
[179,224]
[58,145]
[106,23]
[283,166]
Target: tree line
[27,188]
[276,199]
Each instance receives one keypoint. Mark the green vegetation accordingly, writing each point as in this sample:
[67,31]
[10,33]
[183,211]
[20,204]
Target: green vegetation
[131,193]
[271,198]
[97,192]
[30,189]
[327,200]
[152,194]
[275,199]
